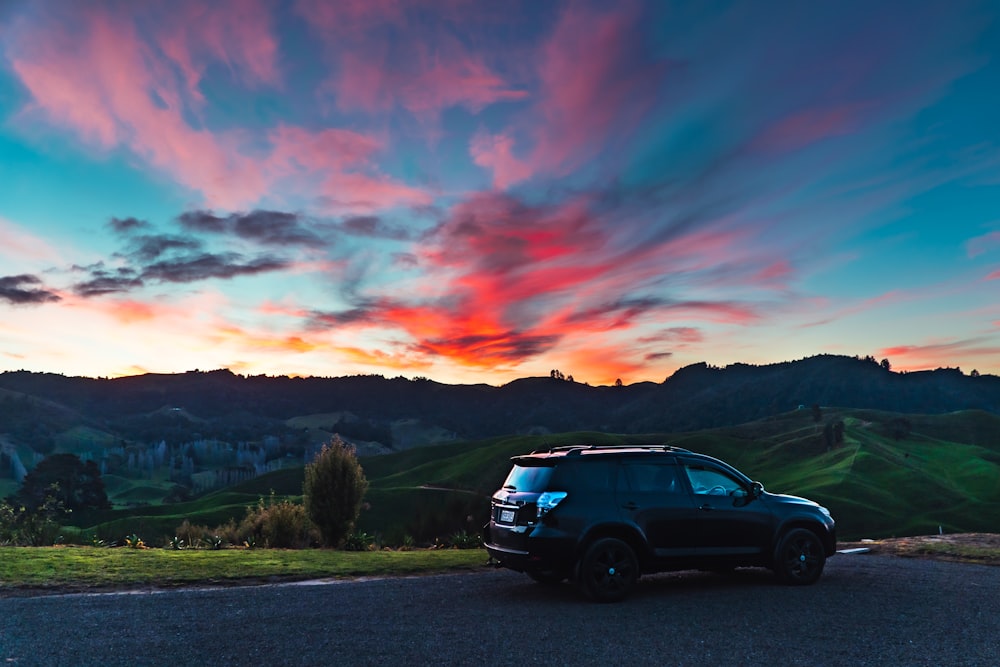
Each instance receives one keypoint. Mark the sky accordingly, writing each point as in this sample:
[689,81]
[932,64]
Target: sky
[475,191]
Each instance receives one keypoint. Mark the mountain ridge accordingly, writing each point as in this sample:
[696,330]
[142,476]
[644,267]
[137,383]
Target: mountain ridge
[694,397]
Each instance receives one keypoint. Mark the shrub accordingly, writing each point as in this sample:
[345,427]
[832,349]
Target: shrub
[275,524]
[359,542]
[20,526]
[465,540]
[191,534]
[333,489]
[133,541]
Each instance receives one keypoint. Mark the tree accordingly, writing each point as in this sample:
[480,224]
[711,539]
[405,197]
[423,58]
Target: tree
[886,365]
[817,413]
[332,492]
[618,382]
[68,480]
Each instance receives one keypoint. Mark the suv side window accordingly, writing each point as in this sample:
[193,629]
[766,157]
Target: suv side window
[651,477]
[706,480]
[584,475]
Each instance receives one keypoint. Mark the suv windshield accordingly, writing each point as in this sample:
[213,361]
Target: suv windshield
[531,479]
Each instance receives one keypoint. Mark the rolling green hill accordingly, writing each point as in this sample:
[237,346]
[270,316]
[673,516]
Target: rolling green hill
[882,480]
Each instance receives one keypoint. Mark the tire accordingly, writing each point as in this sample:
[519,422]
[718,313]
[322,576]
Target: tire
[608,570]
[548,577]
[799,558]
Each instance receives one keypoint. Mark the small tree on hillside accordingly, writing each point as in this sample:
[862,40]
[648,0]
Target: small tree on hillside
[333,489]
[73,483]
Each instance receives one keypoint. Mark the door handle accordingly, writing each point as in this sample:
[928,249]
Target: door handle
[630,506]
[706,507]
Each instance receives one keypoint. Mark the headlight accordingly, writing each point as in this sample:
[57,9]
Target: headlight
[548,500]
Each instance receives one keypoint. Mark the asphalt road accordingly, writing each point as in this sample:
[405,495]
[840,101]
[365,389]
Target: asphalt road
[866,610]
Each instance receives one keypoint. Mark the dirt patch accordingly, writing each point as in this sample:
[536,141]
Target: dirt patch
[981,548]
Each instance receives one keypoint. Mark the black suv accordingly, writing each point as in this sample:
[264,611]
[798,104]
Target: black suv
[604,515]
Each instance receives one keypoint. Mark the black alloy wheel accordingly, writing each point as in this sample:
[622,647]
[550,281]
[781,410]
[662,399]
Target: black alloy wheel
[799,558]
[608,570]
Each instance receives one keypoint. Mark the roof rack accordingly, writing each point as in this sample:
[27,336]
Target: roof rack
[575,450]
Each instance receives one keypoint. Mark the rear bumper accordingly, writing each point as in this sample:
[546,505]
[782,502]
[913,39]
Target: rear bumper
[532,550]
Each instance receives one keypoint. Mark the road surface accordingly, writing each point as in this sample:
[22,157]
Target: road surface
[866,610]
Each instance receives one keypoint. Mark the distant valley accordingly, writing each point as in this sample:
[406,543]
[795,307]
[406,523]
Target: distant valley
[165,440]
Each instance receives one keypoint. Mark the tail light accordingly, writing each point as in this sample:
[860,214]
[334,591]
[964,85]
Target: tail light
[548,500]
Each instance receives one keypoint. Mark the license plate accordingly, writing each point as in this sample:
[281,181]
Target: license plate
[506,516]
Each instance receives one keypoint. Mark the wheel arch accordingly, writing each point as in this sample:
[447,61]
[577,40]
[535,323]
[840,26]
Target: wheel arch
[823,535]
[630,535]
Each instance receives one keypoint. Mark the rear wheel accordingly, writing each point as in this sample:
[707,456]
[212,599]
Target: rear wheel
[799,558]
[608,570]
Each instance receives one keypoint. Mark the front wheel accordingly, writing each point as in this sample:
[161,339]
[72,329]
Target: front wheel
[608,570]
[799,558]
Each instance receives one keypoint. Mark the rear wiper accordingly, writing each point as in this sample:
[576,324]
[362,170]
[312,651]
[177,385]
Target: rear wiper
[510,486]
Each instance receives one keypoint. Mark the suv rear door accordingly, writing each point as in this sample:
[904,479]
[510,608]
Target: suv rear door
[653,497]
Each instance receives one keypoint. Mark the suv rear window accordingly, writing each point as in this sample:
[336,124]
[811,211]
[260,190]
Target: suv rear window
[528,479]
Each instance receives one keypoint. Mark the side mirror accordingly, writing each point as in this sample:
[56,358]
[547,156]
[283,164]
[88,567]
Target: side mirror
[756,490]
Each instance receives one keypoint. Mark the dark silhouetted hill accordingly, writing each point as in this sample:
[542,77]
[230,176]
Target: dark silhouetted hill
[222,404]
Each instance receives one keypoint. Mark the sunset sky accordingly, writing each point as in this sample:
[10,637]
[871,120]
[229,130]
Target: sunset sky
[476,191]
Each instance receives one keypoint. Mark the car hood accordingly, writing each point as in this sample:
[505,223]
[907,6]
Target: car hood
[790,500]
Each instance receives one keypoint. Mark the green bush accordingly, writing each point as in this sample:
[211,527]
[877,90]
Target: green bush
[191,534]
[275,524]
[20,526]
[270,523]
[465,540]
[333,489]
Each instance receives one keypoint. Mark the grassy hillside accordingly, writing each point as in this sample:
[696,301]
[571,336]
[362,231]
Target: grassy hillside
[878,482]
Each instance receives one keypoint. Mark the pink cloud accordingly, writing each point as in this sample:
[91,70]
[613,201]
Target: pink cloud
[593,86]
[297,149]
[495,152]
[453,77]
[810,126]
[424,85]
[982,244]
[235,33]
[995,275]
[421,69]
[939,354]
[18,246]
[100,79]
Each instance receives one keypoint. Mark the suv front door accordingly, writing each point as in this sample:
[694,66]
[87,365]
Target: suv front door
[732,523]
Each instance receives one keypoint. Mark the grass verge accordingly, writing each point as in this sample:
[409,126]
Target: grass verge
[75,569]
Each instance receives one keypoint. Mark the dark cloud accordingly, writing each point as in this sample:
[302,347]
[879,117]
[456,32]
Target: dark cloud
[675,334]
[623,310]
[656,356]
[127,225]
[276,228]
[106,282]
[511,346]
[22,290]
[209,265]
[203,221]
[371,226]
[325,319]
[148,248]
